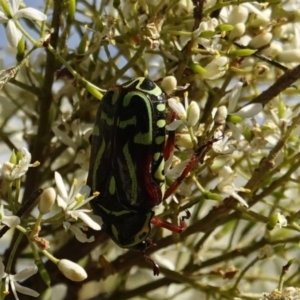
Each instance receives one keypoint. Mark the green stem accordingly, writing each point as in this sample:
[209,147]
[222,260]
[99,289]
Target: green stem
[29,37]
[36,225]
[242,273]
[50,256]
[95,91]
[13,252]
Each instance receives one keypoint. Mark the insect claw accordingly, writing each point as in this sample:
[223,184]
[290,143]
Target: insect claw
[155,266]
[187,215]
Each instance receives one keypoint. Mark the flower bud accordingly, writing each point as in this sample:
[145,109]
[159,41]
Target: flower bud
[234,119]
[273,220]
[239,14]
[21,49]
[242,53]
[13,157]
[83,44]
[184,140]
[71,10]
[47,200]
[72,270]
[221,115]
[265,252]
[288,56]
[169,84]
[261,40]
[237,31]
[5,8]
[193,114]
[92,89]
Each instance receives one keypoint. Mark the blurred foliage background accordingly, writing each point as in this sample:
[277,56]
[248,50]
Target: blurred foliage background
[238,60]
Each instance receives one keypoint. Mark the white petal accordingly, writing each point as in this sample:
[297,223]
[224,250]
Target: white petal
[10,221]
[13,34]
[14,6]
[3,17]
[176,171]
[226,188]
[30,13]
[25,273]
[234,96]
[61,186]
[174,125]
[250,110]
[225,173]
[240,199]
[13,288]
[81,236]
[63,137]
[282,221]
[238,14]
[177,107]
[66,225]
[26,291]
[26,159]
[61,202]
[88,221]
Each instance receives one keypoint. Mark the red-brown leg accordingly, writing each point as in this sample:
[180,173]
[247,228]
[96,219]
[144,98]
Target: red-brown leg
[197,156]
[172,227]
[169,146]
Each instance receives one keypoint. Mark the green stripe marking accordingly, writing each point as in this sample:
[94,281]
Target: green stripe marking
[161,123]
[159,139]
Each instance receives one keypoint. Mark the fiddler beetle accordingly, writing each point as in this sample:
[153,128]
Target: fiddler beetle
[127,164]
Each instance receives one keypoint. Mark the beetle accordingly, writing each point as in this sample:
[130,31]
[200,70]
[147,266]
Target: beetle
[127,164]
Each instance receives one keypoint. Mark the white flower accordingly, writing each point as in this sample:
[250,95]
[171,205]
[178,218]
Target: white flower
[12,171]
[12,32]
[223,145]
[216,68]
[71,204]
[10,221]
[73,136]
[188,115]
[14,285]
[226,184]
[207,26]
[247,111]
[281,220]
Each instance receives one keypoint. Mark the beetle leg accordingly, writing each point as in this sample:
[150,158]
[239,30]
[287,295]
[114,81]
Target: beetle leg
[198,155]
[169,146]
[155,266]
[172,227]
